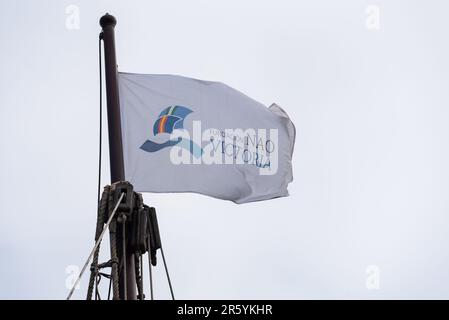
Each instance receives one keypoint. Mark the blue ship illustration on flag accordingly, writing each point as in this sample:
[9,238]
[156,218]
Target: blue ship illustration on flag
[169,119]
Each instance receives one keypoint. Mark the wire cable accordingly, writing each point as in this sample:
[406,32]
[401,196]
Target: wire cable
[100,138]
[166,272]
[101,116]
[93,282]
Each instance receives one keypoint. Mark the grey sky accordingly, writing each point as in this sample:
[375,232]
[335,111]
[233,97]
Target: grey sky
[370,166]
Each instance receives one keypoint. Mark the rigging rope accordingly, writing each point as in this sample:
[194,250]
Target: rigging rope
[149,267]
[123,262]
[100,37]
[114,258]
[95,247]
[101,207]
[168,276]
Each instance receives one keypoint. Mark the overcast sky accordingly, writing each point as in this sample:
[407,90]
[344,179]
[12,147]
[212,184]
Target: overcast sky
[365,82]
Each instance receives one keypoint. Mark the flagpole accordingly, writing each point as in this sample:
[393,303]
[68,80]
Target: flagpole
[108,22]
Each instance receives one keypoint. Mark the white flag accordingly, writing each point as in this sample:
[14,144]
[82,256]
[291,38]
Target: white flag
[187,135]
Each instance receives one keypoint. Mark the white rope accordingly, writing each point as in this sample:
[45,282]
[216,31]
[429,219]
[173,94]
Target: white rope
[95,247]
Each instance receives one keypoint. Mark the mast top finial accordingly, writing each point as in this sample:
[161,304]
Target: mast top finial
[107,20]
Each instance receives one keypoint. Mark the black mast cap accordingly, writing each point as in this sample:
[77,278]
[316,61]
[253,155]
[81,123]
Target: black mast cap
[107,20]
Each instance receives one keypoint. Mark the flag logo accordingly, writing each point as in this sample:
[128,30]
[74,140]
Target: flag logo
[170,119]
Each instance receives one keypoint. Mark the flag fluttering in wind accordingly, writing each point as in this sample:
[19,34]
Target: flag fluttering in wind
[186,135]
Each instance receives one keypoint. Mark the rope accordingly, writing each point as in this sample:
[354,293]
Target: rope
[150,266]
[123,262]
[109,289]
[138,270]
[166,272]
[95,247]
[102,208]
[165,266]
[101,116]
[114,259]
[142,294]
